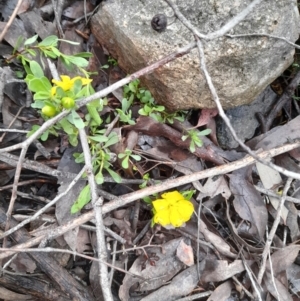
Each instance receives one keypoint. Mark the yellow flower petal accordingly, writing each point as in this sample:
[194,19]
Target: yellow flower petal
[53,91]
[186,209]
[160,204]
[162,217]
[173,196]
[65,83]
[176,217]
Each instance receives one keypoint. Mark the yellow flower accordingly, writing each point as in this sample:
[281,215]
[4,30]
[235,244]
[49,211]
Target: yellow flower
[173,209]
[53,91]
[66,83]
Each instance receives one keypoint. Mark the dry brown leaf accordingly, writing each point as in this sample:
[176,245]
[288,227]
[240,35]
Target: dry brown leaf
[181,285]
[283,258]
[222,292]
[185,253]
[156,275]
[283,292]
[217,241]
[220,270]
[215,186]
[249,204]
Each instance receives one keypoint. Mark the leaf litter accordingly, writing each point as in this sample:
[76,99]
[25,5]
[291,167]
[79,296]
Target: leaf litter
[218,251]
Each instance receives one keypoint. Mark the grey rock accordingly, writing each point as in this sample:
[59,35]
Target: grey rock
[241,68]
[243,119]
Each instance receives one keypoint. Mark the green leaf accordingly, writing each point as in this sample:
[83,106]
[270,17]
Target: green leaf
[67,126]
[20,39]
[83,198]
[45,135]
[94,113]
[73,139]
[31,52]
[75,119]
[199,143]
[38,84]
[204,132]
[192,146]
[78,61]
[183,138]
[136,157]
[56,51]
[36,69]
[83,54]
[41,95]
[98,138]
[77,86]
[114,175]
[39,104]
[31,40]
[69,42]
[112,139]
[33,130]
[49,41]
[133,87]
[125,162]
[50,54]
[99,178]
[28,71]
[121,155]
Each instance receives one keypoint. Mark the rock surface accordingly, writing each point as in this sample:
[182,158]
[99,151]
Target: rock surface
[240,67]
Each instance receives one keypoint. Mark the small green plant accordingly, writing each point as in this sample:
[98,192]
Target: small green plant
[150,108]
[195,137]
[111,62]
[126,157]
[146,178]
[125,113]
[26,50]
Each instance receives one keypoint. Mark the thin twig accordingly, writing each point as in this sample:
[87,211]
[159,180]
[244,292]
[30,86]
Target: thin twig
[55,5]
[248,35]
[11,19]
[97,205]
[273,194]
[12,122]
[273,231]
[65,251]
